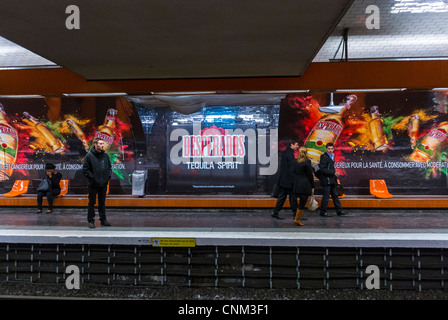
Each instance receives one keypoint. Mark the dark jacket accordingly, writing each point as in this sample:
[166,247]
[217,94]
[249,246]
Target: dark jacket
[303,178]
[97,168]
[54,182]
[286,178]
[327,170]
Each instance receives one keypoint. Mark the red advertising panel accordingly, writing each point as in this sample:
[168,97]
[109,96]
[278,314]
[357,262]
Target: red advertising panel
[34,132]
[397,136]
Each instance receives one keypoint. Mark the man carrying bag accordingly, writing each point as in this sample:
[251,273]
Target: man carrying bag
[328,181]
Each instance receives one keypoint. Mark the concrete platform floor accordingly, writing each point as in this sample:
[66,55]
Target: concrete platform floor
[229,218]
[226,227]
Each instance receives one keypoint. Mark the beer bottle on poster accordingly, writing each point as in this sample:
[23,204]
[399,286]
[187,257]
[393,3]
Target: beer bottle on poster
[413,128]
[78,133]
[51,140]
[9,145]
[424,150]
[106,132]
[327,130]
[379,139]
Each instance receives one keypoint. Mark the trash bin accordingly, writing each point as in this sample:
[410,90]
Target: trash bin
[139,182]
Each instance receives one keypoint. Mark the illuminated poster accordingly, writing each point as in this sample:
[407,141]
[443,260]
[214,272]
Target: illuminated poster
[34,132]
[210,159]
[223,149]
[397,136]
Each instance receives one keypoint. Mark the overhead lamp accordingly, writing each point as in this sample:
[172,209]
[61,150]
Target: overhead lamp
[22,96]
[278,91]
[331,108]
[370,90]
[439,89]
[109,94]
[183,93]
[406,6]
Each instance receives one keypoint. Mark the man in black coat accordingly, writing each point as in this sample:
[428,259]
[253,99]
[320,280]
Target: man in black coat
[98,170]
[328,181]
[286,180]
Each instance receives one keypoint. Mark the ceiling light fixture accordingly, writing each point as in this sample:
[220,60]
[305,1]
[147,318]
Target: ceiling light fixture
[409,6]
[278,91]
[21,96]
[183,93]
[112,94]
[370,90]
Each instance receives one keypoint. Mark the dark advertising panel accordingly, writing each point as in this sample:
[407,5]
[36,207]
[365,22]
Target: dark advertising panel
[210,159]
[213,150]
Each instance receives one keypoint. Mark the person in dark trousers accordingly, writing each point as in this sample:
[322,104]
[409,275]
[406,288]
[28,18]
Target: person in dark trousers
[328,181]
[54,178]
[98,170]
[286,180]
[303,182]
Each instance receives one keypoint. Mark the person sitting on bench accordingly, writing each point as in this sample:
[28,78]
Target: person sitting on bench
[54,178]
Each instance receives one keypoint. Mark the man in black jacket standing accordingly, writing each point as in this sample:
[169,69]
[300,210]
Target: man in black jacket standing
[328,180]
[286,180]
[98,170]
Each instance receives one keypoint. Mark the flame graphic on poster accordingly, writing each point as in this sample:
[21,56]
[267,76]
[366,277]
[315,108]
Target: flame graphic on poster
[359,132]
[36,137]
[116,150]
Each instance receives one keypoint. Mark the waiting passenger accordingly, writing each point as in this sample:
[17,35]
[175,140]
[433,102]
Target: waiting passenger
[51,189]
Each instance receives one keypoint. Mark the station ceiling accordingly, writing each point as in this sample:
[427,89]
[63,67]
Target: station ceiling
[158,39]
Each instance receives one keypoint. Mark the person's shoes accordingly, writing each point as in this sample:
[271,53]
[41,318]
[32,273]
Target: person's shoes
[38,211]
[91,225]
[298,218]
[324,214]
[105,223]
[49,211]
[276,216]
[294,215]
[342,213]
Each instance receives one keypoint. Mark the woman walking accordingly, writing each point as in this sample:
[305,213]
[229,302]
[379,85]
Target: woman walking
[303,182]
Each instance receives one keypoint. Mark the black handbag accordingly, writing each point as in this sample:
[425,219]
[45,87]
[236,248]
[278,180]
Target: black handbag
[339,188]
[275,191]
[44,186]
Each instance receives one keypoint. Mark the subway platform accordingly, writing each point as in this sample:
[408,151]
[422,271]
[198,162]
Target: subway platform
[251,226]
[226,247]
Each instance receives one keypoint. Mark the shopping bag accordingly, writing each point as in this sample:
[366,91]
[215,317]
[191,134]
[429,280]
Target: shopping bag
[312,203]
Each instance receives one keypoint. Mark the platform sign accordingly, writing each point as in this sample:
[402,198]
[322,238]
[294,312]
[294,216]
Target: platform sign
[174,242]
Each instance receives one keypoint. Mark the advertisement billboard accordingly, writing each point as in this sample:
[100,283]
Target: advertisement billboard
[58,130]
[398,136]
